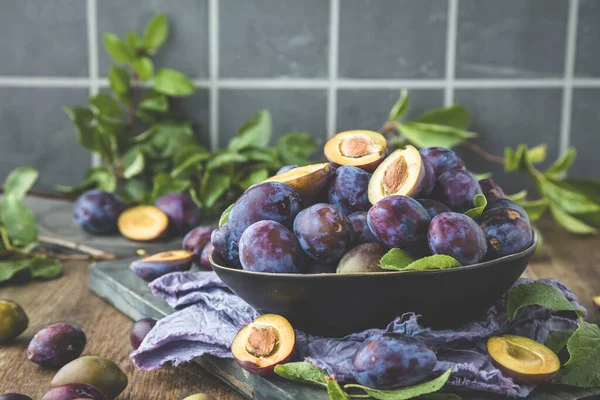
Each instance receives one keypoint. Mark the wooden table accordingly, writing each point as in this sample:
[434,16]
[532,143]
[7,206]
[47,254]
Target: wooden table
[574,260]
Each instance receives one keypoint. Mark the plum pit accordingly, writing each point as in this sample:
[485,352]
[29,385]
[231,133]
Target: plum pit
[358,145]
[358,148]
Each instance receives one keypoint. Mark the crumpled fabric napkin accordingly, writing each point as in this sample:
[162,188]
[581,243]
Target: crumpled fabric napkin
[213,315]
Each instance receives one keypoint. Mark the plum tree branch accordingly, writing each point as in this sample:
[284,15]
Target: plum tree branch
[90,251]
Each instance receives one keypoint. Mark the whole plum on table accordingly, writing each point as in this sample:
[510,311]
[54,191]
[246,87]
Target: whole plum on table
[274,201]
[324,232]
[225,247]
[196,240]
[349,189]
[433,207]
[391,360]
[362,233]
[286,168]
[442,159]
[507,232]
[268,246]
[491,190]
[506,203]
[181,210]
[97,211]
[56,344]
[139,330]
[14,396]
[74,391]
[458,236]
[399,221]
[13,320]
[457,189]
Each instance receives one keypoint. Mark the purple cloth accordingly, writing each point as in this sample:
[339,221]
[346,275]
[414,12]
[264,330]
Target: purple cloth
[214,315]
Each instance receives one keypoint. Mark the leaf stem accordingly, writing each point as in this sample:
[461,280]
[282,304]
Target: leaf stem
[484,154]
[132,93]
[353,386]
[5,239]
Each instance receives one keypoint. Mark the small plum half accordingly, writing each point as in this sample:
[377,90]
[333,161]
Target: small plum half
[143,223]
[523,359]
[267,341]
[358,148]
[307,181]
[402,173]
[150,268]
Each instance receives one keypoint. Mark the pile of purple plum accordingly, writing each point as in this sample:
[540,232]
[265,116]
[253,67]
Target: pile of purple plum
[340,217]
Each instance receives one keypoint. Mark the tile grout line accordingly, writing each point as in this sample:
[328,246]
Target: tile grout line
[334,25]
[92,27]
[451,52]
[567,101]
[213,82]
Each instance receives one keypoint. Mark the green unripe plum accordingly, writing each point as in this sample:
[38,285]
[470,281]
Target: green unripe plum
[13,320]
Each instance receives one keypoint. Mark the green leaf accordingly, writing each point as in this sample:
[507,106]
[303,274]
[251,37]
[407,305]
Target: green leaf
[154,101]
[571,223]
[436,261]
[254,177]
[225,158]
[163,183]
[255,132]
[133,163]
[224,219]
[408,392]
[480,204]
[519,159]
[74,190]
[396,259]
[156,32]
[9,268]
[261,155]
[115,48]
[335,391]
[535,209]
[583,367]
[557,340]
[45,268]
[295,148]
[518,197]
[134,190]
[144,67]
[432,135]
[485,175]
[134,42]
[537,154]
[103,178]
[18,221]
[400,108]
[299,371]
[455,116]
[172,83]
[562,164]
[169,138]
[84,121]
[214,185]
[537,293]
[19,181]
[188,161]
[589,187]
[104,104]
[118,79]
[570,201]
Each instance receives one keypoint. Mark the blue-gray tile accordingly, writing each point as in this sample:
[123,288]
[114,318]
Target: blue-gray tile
[587,58]
[368,109]
[273,38]
[36,132]
[197,109]
[298,110]
[511,38]
[585,136]
[186,48]
[385,39]
[507,117]
[43,38]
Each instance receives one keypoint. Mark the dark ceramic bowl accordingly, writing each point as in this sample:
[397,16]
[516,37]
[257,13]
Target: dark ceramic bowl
[336,305]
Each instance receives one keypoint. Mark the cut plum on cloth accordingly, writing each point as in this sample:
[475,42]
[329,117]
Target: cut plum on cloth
[213,315]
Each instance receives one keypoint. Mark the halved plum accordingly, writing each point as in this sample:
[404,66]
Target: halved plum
[402,173]
[307,181]
[358,148]
[267,341]
[143,223]
[523,359]
[150,268]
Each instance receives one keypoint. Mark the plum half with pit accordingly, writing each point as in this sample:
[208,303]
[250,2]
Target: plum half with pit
[491,190]
[307,181]
[403,173]
[154,266]
[442,159]
[457,235]
[195,242]
[225,249]
[56,344]
[433,207]
[358,148]
[391,360]
[362,232]
[349,189]
[268,246]
[506,231]
[523,359]
[399,221]
[97,211]
[274,201]
[264,343]
[362,259]
[324,232]
[457,189]
[181,210]
[140,330]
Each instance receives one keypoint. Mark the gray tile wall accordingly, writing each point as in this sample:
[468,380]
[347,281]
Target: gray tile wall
[529,70]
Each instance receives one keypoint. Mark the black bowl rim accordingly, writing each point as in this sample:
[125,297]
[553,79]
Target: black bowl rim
[485,264]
